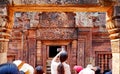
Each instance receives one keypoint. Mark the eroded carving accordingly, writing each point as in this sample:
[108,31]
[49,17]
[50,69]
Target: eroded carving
[3,46]
[90,19]
[113,24]
[44,19]
[56,33]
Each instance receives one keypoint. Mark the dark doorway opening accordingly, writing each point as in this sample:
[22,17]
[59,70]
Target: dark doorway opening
[53,51]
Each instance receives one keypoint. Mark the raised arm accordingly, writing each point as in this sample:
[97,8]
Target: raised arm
[55,58]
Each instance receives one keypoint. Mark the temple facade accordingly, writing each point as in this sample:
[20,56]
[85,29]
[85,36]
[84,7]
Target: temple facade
[36,37]
[35,31]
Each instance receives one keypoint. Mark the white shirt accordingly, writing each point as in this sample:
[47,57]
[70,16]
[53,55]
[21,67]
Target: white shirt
[87,71]
[54,66]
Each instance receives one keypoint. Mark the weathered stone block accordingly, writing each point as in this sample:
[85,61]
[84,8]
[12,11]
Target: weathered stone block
[117,11]
[115,44]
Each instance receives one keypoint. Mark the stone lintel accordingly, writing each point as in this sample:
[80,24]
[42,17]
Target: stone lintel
[54,8]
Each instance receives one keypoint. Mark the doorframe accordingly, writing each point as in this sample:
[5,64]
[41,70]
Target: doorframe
[45,44]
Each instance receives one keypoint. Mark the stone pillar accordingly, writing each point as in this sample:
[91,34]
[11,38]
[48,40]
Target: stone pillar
[115,56]
[32,43]
[113,26]
[39,53]
[4,38]
[3,51]
[73,55]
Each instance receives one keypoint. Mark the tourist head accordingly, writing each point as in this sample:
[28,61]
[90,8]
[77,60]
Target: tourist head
[39,70]
[63,58]
[78,68]
[25,67]
[96,69]
[8,68]
[89,66]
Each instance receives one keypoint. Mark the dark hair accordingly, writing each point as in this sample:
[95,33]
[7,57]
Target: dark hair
[8,68]
[21,72]
[98,70]
[63,57]
[39,70]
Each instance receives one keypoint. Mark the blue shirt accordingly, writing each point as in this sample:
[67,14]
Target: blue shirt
[110,72]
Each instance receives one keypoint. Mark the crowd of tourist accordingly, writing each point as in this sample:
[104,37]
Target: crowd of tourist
[19,67]
[58,66]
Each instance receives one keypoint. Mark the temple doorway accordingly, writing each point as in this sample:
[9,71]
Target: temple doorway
[50,49]
[52,52]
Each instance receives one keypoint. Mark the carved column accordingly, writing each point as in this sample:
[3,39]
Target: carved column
[39,53]
[73,54]
[80,52]
[31,43]
[4,38]
[84,52]
[113,26]
[3,46]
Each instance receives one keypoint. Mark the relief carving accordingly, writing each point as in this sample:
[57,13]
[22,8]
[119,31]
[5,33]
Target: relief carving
[57,19]
[113,24]
[90,19]
[43,19]
[3,21]
[4,32]
[56,33]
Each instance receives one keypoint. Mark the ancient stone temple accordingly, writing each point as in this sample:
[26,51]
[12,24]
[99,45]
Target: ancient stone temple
[36,36]
[34,31]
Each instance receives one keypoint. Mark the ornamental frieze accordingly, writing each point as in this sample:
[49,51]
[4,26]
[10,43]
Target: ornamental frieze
[44,19]
[57,19]
[56,33]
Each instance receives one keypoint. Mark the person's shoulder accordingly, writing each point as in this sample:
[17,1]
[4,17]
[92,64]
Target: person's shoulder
[66,64]
[54,63]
